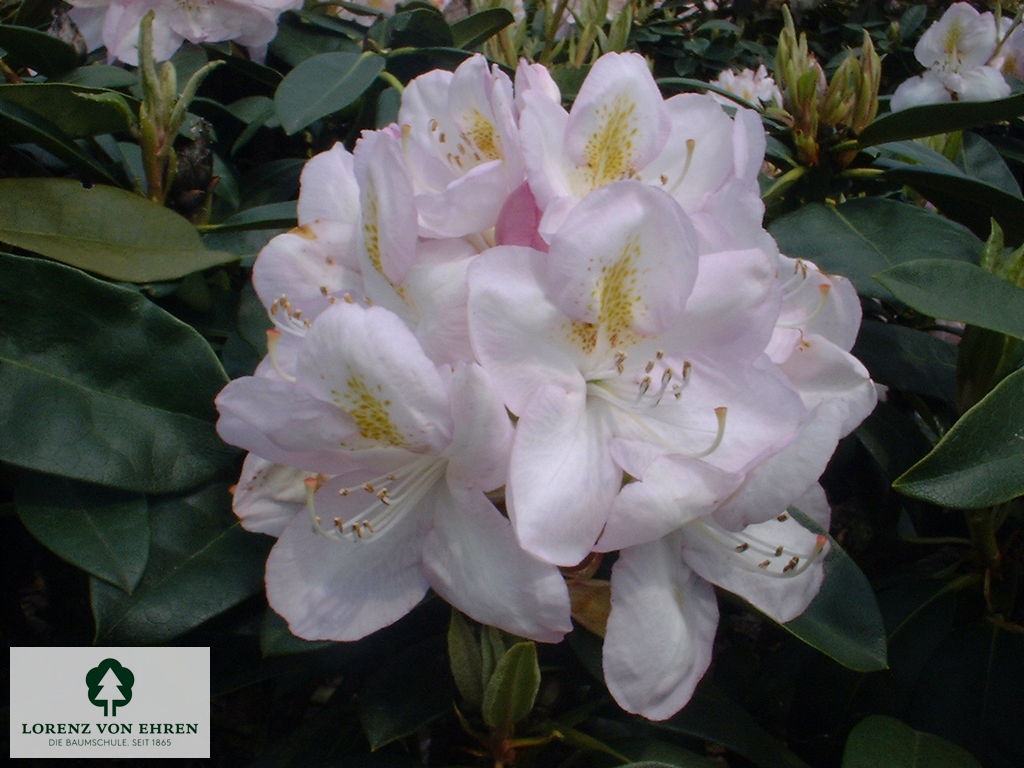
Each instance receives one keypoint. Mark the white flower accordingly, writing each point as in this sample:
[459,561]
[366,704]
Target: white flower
[115,23]
[753,86]
[955,49]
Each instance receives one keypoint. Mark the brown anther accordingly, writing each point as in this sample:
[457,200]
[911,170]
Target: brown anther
[343,492]
[358,528]
[778,550]
[442,138]
[782,518]
[339,524]
[659,355]
[649,367]
[645,384]
[664,180]
[764,563]
[329,261]
[368,525]
[433,124]
[793,562]
[743,547]
[369,488]
[347,298]
[323,290]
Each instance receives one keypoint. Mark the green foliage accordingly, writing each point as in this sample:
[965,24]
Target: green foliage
[301,98]
[879,740]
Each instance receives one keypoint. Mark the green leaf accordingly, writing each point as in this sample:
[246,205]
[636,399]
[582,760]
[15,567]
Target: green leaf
[201,563]
[908,359]
[955,290]
[99,384]
[980,461]
[970,201]
[465,660]
[713,716]
[100,76]
[102,531]
[416,28]
[276,640]
[27,47]
[934,119]
[322,85]
[878,740]
[474,29]
[856,238]
[420,675]
[843,620]
[893,438]
[73,108]
[513,687]
[18,124]
[269,216]
[108,231]
[982,160]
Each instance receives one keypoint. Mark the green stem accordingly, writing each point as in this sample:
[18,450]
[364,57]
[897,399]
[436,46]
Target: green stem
[784,182]
[391,80]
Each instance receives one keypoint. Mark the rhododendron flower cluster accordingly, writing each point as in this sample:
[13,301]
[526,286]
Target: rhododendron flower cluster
[754,86]
[957,51]
[508,336]
[115,24]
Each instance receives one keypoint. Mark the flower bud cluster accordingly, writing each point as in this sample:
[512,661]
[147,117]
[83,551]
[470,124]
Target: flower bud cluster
[509,336]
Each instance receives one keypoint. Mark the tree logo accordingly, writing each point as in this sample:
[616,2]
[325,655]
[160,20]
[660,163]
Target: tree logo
[110,685]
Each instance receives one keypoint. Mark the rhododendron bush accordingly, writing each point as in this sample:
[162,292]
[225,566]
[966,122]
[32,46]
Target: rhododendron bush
[544,384]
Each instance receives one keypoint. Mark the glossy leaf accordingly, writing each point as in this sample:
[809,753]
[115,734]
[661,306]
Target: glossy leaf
[856,239]
[878,740]
[420,673]
[322,85]
[74,108]
[713,716]
[269,216]
[102,229]
[18,124]
[27,47]
[513,687]
[955,290]
[474,29]
[99,384]
[933,119]
[201,563]
[102,531]
[908,359]
[979,462]
[843,620]
[465,660]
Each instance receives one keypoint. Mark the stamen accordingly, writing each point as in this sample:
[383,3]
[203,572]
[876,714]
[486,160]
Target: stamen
[720,414]
[823,291]
[691,146]
[273,337]
[783,517]
[778,550]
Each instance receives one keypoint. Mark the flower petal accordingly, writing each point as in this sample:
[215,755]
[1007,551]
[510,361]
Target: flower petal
[482,439]
[562,479]
[371,367]
[660,631]
[521,338]
[753,563]
[344,590]
[625,259]
[472,560]
[268,495]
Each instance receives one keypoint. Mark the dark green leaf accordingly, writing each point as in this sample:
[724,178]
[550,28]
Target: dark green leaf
[102,531]
[878,740]
[420,674]
[893,439]
[843,620]
[472,30]
[109,231]
[201,563]
[322,85]
[934,119]
[964,199]
[713,716]
[465,660]
[28,47]
[417,28]
[513,687]
[955,290]
[856,238]
[269,216]
[71,107]
[18,124]
[99,384]
[100,76]
[980,159]
[980,461]
[276,640]
[908,359]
